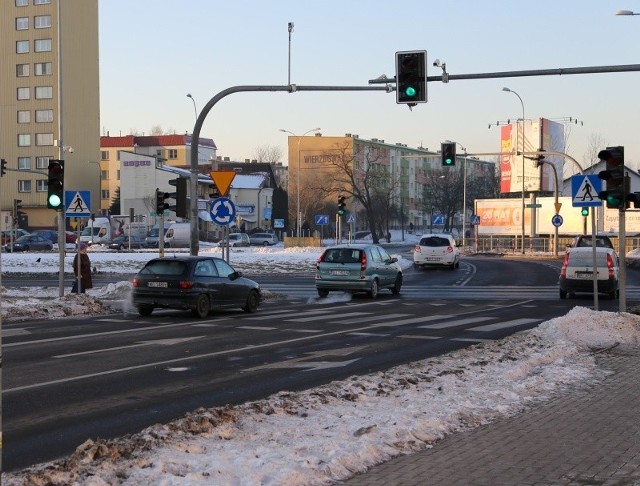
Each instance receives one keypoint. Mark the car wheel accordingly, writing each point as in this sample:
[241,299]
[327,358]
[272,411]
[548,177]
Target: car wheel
[373,292]
[613,295]
[265,243]
[202,307]
[253,301]
[121,248]
[323,293]
[395,290]
[563,294]
[145,310]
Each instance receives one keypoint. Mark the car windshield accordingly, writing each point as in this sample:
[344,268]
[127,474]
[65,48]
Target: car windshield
[165,267]
[434,241]
[342,255]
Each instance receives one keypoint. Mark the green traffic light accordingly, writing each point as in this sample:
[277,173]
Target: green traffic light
[448,162]
[55,201]
[585,211]
[341,212]
[410,91]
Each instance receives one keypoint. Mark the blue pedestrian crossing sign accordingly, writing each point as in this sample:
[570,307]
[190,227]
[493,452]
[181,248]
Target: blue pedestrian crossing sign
[77,203]
[584,191]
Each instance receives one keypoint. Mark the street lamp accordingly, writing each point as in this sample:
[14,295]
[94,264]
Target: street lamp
[626,12]
[521,103]
[299,137]
[194,105]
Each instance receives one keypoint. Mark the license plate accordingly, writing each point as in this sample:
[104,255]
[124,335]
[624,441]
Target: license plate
[432,259]
[341,273]
[584,275]
[163,285]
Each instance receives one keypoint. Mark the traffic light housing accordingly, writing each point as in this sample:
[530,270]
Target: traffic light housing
[55,184]
[448,154]
[341,205]
[411,77]
[3,167]
[161,204]
[584,211]
[614,193]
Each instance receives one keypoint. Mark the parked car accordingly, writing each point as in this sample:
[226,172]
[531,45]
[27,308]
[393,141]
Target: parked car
[576,274]
[196,283]
[264,239]
[236,239]
[586,240]
[436,250]
[50,235]
[124,242]
[28,243]
[6,235]
[357,268]
[70,237]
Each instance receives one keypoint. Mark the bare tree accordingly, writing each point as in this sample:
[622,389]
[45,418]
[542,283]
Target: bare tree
[270,154]
[595,144]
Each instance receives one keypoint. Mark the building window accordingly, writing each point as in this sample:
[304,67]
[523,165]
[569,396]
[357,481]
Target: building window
[41,185]
[104,175]
[44,139]
[22,47]
[22,23]
[104,194]
[173,154]
[42,45]
[24,140]
[104,155]
[44,116]
[22,3]
[42,21]
[24,116]
[24,163]
[23,93]
[43,69]
[41,2]
[44,92]
[22,70]
[24,186]
[118,175]
[42,162]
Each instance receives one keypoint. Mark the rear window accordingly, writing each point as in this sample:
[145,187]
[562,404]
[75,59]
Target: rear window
[342,255]
[585,259]
[165,267]
[434,241]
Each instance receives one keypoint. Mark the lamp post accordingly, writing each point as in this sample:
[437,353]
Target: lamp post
[522,154]
[298,213]
[195,111]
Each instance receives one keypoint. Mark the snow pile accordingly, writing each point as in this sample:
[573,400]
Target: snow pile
[328,433]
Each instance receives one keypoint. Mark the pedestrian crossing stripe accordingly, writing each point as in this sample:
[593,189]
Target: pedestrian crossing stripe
[77,203]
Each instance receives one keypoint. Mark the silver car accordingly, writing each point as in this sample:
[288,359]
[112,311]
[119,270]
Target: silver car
[264,239]
[357,268]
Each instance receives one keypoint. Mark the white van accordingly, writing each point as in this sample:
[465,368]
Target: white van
[178,236]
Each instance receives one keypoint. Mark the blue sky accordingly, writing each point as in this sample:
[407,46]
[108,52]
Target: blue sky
[154,52]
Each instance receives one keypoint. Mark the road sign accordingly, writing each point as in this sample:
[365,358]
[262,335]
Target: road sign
[222,211]
[437,219]
[322,219]
[557,220]
[222,179]
[532,205]
[77,203]
[351,219]
[278,223]
[475,219]
[584,191]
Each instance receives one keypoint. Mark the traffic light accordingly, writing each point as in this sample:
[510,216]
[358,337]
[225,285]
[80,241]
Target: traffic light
[214,193]
[182,206]
[341,205]
[55,184]
[161,204]
[3,167]
[584,211]
[614,194]
[448,154]
[411,77]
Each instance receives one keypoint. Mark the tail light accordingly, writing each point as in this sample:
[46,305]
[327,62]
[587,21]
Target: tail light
[321,259]
[565,263]
[363,261]
[134,282]
[185,285]
[418,249]
[610,267]
[449,249]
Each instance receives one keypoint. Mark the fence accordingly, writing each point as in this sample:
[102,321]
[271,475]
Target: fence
[511,244]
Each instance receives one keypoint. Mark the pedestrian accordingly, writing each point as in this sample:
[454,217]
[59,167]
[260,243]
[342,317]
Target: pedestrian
[82,274]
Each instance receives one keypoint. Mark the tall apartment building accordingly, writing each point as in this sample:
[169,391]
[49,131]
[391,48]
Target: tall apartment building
[49,103]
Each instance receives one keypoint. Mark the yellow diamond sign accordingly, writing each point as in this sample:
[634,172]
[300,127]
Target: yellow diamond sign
[222,179]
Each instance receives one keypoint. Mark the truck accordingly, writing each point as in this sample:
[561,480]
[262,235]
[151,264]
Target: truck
[153,235]
[178,235]
[101,230]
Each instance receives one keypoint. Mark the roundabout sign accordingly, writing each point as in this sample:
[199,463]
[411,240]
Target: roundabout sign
[222,211]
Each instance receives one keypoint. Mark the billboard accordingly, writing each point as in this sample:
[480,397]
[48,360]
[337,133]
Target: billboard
[530,136]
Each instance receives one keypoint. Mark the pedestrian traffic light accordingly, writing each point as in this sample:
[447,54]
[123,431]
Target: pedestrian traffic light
[613,175]
[161,204]
[55,184]
[585,211]
[448,154]
[341,205]
[411,77]
[3,167]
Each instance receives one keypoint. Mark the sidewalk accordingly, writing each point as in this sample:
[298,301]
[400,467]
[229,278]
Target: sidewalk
[588,437]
